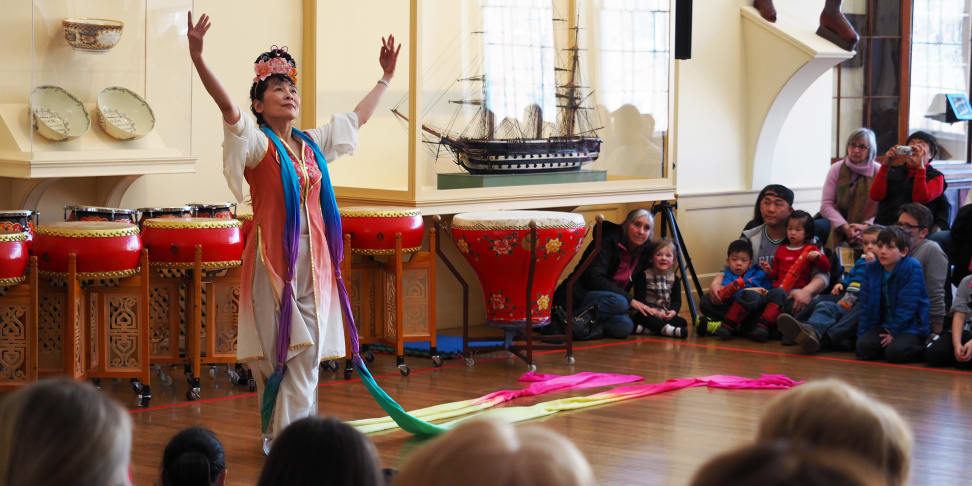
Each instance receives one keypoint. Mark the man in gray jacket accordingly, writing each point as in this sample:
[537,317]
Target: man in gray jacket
[916,219]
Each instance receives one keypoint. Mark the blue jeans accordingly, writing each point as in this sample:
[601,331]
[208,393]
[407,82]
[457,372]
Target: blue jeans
[831,320]
[612,312]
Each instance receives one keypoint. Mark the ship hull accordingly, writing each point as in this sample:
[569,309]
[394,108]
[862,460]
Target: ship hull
[524,156]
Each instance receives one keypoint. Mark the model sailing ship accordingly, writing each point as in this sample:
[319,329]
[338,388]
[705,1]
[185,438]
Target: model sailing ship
[524,150]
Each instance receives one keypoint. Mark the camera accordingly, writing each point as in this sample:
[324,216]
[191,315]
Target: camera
[902,150]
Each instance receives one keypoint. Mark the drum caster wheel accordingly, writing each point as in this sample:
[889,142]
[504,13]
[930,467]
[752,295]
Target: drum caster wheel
[144,397]
[403,369]
[192,395]
[570,360]
[348,369]
[531,367]
[251,383]
[470,362]
[330,365]
[96,382]
[437,361]
[165,379]
[136,386]
[233,376]
[347,374]
[369,356]
[212,372]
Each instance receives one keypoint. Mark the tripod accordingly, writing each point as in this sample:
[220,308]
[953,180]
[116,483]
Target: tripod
[668,224]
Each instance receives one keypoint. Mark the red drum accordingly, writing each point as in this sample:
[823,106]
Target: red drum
[172,242]
[17,221]
[373,229]
[173,212]
[13,258]
[218,210]
[104,249]
[497,245]
[91,213]
[247,225]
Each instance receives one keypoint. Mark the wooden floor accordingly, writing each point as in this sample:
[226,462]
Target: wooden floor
[656,440]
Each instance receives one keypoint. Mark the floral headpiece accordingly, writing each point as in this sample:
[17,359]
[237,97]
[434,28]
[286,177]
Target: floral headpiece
[273,62]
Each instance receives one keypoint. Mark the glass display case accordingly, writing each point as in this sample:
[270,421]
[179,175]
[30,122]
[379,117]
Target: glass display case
[503,103]
[95,88]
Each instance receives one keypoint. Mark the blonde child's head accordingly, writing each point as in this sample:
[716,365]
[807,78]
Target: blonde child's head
[869,238]
[495,453]
[833,415]
[662,255]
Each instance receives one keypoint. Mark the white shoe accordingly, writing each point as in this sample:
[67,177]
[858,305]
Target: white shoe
[266,445]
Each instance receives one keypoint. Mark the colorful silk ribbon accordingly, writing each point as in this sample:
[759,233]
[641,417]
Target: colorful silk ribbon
[335,243]
[543,409]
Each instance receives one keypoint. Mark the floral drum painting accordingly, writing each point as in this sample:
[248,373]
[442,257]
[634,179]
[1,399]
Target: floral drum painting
[497,244]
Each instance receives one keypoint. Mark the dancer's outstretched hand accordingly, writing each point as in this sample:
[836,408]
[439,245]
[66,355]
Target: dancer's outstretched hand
[389,54]
[196,33]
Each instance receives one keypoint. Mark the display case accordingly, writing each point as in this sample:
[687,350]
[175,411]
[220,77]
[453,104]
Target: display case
[95,89]
[481,84]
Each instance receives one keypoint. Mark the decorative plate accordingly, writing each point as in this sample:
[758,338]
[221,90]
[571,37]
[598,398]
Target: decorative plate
[58,115]
[124,114]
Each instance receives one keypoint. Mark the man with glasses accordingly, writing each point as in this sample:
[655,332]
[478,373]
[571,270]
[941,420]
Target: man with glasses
[916,219]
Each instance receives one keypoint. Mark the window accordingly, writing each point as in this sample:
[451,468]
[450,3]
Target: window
[520,58]
[940,64]
[633,43]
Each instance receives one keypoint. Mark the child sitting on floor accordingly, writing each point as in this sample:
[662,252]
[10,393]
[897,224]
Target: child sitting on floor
[659,289]
[740,274]
[954,346]
[834,322]
[894,303]
[792,268]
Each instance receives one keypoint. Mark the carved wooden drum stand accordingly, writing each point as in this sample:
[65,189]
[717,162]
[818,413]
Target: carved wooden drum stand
[93,302]
[518,256]
[393,302]
[201,258]
[18,312]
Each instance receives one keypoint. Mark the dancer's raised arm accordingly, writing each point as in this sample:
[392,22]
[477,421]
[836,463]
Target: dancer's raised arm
[231,114]
[387,58]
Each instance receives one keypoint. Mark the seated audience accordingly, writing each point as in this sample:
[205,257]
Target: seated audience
[909,177]
[832,415]
[846,201]
[894,304]
[194,457]
[661,292]
[65,433]
[774,205]
[834,322]
[786,464]
[495,453]
[954,346]
[740,274]
[317,450]
[916,219]
[605,285]
[791,269]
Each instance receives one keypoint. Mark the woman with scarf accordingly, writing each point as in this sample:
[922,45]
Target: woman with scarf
[846,201]
[291,296]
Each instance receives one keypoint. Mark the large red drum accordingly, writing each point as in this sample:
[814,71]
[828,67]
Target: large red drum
[17,221]
[172,242]
[373,229]
[13,258]
[173,212]
[93,213]
[226,210]
[104,249]
[497,245]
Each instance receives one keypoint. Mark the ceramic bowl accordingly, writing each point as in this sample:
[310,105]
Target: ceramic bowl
[124,114]
[92,35]
[58,115]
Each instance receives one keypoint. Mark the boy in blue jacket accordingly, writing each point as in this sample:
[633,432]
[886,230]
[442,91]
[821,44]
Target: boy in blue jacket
[740,274]
[834,322]
[894,303]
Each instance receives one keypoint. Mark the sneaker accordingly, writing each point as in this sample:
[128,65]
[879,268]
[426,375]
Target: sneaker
[760,333]
[702,326]
[723,332]
[681,332]
[639,329]
[808,339]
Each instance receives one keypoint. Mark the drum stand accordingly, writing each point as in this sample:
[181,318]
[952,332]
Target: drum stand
[18,341]
[103,330]
[668,224]
[381,311]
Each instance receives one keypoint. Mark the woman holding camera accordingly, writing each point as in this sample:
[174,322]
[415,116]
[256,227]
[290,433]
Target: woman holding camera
[907,176]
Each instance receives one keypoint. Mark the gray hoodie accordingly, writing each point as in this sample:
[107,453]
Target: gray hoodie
[935,265]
